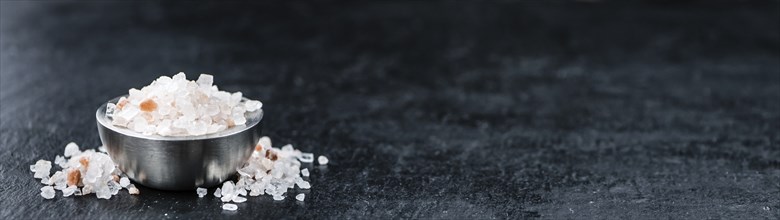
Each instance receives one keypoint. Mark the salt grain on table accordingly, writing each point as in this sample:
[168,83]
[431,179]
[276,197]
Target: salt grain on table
[230,207]
[322,160]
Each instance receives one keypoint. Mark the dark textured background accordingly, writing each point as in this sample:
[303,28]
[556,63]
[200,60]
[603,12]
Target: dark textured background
[509,109]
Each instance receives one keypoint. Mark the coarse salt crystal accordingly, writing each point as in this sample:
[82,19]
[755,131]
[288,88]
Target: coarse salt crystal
[71,149]
[218,193]
[300,197]
[42,169]
[201,192]
[124,182]
[47,192]
[239,199]
[230,207]
[305,172]
[133,190]
[322,160]
[306,157]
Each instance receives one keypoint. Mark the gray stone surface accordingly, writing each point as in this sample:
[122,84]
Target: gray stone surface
[510,109]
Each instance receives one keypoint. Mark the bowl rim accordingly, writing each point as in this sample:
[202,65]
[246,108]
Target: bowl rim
[252,120]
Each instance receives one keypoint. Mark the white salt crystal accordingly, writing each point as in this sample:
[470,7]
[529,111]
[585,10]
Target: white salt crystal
[288,148]
[102,149]
[265,141]
[42,169]
[69,191]
[218,193]
[303,184]
[239,199]
[230,207]
[300,197]
[47,192]
[110,108]
[124,182]
[205,80]
[103,192]
[322,160]
[71,149]
[45,180]
[278,197]
[201,192]
[132,190]
[306,157]
[61,161]
[253,105]
[86,190]
[305,172]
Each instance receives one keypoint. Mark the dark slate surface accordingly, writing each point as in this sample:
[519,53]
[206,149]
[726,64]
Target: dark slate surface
[653,109]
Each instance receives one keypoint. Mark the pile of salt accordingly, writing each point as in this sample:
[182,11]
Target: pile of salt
[175,106]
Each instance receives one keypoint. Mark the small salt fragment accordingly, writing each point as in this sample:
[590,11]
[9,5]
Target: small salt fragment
[110,109]
[61,161]
[201,192]
[322,160]
[124,182]
[300,197]
[69,191]
[205,80]
[218,193]
[278,197]
[86,190]
[133,190]
[239,199]
[230,207]
[306,157]
[45,180]
[42,169]
[305,172]
[102,149]
[71,149]
[47,192]
[288,148]
[304,185]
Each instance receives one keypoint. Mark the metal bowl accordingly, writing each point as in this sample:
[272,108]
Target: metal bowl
[179,163]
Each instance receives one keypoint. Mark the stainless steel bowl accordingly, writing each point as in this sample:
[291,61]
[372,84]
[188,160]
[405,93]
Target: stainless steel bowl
[179,163]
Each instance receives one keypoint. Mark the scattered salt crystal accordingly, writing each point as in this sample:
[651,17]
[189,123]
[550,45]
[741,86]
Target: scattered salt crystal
[47,192]
[288,148]
[69,191]
[278,197]
[230,207]
[300,197]
[303,184]
[132,190]
[239,199]
[305,172]
[306,157]
[45,180]
[201,192]
[322,160]
[86,190]
[218,193]
[71,149]
[42,168]
[124,182]
[61,161]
